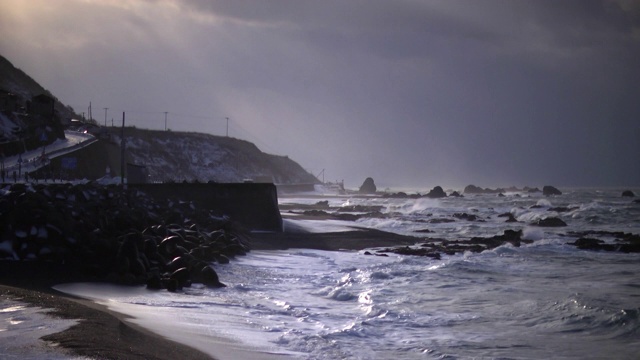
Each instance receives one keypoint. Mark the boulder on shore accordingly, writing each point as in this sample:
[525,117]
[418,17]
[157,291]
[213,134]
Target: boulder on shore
[368,186]
[549,190]
[436,192]
[107,233]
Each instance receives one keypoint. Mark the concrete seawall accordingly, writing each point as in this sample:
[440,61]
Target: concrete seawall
[253,205]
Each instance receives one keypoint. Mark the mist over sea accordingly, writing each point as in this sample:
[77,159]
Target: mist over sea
[547,299]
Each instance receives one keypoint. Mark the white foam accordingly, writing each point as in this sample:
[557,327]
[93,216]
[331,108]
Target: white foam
[184,318]
[544,202]
[532,233]
[317,226]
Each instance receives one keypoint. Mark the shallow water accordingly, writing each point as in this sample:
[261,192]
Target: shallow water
[544,300]
[22,326]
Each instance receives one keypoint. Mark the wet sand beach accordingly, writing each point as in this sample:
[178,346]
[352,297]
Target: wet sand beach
[100,333]
[105,334]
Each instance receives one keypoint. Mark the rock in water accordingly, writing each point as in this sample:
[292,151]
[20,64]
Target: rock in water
[548,190]
[368,186]
[436,192]
[628,193]
[550,222]
[210,277]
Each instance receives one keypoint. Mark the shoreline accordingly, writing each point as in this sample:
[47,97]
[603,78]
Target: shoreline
[100,333]
[106,334]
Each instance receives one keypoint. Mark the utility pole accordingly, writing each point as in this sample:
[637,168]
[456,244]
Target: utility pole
[90,115]
[105,116]
[122,145]
[165,120]
[227,127]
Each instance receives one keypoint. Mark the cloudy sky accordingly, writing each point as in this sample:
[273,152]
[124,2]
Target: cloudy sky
[410,92]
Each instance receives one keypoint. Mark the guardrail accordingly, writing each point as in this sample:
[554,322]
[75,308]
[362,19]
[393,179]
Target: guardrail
[36,162]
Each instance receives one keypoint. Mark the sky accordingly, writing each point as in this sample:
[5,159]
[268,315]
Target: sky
[413,93]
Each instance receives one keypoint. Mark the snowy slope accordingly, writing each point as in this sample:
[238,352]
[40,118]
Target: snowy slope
[178,156]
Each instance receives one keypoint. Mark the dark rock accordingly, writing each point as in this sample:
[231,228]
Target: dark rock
[346,217]
[509,236]
[169,245]
[181,276]
[108,233]
[177,263]
[360,208]
[368,186]
[509,216]
[472,189]
[436,192]
[592,244]
[315,213]
[549,190]
[406,250]
[210,277]
[550,222]
[221,258]
[440,221]
[455,194]
[154,282]
[171,285]
[618,241]
[465,216]
[401,195]
[628,193]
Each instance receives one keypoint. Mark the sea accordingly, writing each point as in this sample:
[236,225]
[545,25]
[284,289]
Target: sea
[544,300]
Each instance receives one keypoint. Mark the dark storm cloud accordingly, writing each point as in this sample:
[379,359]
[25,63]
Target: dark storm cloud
[410,92]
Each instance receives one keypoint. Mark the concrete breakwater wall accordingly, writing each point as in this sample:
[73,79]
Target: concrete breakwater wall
[254,205]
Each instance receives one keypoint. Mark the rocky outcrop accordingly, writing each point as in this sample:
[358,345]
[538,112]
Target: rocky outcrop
[628,193]
[550,222]
[436,192]
[549,190]
[368,186]
[616,241]
[472,189]
[586,240]
[433,248]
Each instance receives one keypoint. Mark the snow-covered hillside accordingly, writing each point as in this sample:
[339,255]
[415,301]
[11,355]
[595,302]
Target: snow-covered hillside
[179,156]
